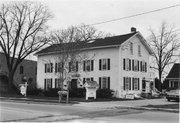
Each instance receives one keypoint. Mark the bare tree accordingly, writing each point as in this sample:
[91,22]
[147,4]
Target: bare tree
[165,45]
[70,43]
[23,25]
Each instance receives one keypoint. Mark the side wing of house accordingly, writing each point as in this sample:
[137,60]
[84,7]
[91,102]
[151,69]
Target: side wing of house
[134,66]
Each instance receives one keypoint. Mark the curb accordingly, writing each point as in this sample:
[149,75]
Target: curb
[150,109]
[37,101]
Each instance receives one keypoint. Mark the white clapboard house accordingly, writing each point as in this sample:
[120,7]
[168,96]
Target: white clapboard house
[120,63]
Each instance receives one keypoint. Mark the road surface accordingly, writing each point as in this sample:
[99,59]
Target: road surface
[25,112]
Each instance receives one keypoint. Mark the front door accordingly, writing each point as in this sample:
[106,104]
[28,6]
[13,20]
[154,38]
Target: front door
[73,84]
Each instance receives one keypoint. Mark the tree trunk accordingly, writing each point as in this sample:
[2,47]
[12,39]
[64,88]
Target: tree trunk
[160,75]
[10,82]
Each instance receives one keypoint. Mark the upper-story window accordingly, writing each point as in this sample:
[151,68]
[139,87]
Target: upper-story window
[135,65]
[59,67]
[139,50]
[104,64]
[88,65]
[48,67]
[131,47]
[21,70]
[143,66]
[73,66]
[127,64]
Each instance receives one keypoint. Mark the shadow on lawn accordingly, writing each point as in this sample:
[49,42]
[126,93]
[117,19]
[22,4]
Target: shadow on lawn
[167,106]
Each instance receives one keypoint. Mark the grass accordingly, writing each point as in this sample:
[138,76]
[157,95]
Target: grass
[55,99]
[168,106]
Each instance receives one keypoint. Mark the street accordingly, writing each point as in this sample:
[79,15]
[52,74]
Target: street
[27,112]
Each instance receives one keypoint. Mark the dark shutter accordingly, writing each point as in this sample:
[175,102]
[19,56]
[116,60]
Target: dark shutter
[99,82]
[56,67]
[132,65]
[124,79]
[124,64]
[129,83]
[99,64]
[92,65]
[108,64]
[145,67]
[51,67]
[84,80]
[55,83]
[138,83]
[77,66]
[129,64]
[108,82]
[45,68]
[69,66]
[141,66]
[44,84]
[138,65]
[92,79]
[84,64]
[132,83]
[51,83]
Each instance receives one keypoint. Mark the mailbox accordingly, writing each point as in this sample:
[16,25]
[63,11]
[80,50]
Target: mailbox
[91,87]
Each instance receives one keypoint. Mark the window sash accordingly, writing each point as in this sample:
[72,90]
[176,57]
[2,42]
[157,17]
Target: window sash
[58,83]
[88,65]
[49,68]
[104,82]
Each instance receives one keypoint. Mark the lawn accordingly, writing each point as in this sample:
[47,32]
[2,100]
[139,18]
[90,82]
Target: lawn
[168,106]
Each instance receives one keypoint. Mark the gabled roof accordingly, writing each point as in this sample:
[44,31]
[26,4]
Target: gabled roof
[92,44]
[174,72]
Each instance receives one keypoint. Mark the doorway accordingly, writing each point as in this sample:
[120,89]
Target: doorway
[73,84]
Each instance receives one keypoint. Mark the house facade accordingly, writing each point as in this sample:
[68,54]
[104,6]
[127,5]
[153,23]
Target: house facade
[173,78]
[26,68]
[120,63]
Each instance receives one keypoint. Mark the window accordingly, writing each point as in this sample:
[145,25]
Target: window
[73,66]
[58,83]
[135,82]
[104,82]
[143,66]
[127,83]
[49,68]
[139,50]
[88,65]
[59,67]
[127,64]
[21,70]
[88,79]
[104,64]
[131,47]
[47,84]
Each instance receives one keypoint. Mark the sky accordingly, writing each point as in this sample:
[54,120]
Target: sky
[74,12]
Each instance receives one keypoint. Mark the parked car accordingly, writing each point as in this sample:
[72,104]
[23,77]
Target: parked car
[173,95]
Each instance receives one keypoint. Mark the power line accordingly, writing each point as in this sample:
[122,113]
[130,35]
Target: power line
[156,10]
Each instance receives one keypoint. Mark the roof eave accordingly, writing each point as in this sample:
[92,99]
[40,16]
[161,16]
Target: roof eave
[91,48]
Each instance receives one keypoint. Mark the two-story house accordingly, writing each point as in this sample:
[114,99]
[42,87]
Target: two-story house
[26,68]
[120,63]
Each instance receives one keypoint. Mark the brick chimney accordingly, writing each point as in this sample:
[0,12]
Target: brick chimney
[133,29]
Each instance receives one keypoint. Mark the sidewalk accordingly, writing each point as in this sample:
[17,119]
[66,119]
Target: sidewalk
[133,104]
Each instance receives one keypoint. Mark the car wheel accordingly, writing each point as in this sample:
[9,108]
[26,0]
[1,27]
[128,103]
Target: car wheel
[168,100]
